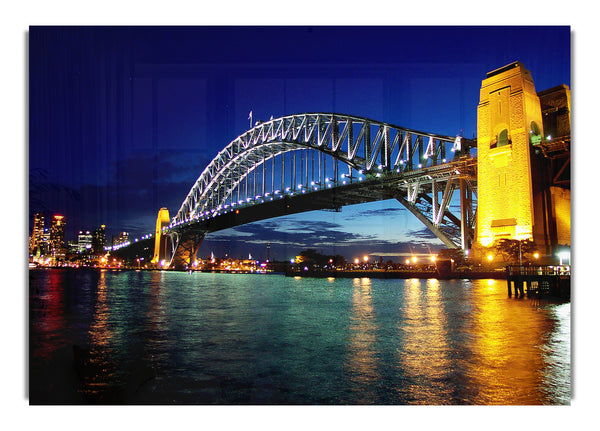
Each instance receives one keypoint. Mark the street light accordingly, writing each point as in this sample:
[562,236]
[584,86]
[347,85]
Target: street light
[564,254]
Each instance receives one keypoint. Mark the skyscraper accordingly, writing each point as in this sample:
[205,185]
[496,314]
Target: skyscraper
[37,232]
[57,236]
[99,241]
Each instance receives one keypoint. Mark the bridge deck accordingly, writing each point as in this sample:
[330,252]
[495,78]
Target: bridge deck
[388,186]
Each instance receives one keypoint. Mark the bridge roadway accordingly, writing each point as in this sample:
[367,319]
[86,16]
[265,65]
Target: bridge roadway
[389,186]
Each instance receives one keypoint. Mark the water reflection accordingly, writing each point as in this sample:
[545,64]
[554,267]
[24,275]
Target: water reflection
[249,339]
[95,367]
[506,362]
[157,318]
[100,332]
[424,355]
[47,304]
[362,360]
[556,354]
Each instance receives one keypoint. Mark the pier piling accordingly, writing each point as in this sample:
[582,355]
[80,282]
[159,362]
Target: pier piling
[539,281]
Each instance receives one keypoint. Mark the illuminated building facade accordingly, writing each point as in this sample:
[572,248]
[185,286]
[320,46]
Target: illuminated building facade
[84,241]
[37,232]
[516,198]
[99,240]
[57,236]
[121,239]
[45,248]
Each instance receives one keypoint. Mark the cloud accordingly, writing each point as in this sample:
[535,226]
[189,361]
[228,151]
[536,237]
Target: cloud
[423,233]
[288,236]
[380,212]
[297,233]
[141,169]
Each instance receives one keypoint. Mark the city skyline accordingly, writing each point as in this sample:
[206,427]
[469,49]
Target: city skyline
[123,120]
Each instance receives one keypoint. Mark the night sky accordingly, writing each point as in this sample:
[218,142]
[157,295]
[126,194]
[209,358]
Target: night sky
[122,120]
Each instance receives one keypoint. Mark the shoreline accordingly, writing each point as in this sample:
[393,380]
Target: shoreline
[387,274]
[398,274]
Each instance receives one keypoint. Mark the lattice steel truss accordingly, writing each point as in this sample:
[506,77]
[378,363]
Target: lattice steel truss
[302,154]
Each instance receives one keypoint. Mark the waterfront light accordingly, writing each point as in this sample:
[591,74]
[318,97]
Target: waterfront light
[433,258]
[356,261]
[366,258]
[564,254]
[414,259]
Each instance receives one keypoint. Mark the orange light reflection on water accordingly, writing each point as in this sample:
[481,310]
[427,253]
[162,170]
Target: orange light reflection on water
[507,365]
[424,355]
[362,361]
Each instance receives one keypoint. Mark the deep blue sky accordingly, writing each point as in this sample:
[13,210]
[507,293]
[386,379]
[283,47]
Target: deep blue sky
[122,120]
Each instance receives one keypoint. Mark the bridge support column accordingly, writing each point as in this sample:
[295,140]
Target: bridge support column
[185,247]
[161,241]
[466,215]
[509,121]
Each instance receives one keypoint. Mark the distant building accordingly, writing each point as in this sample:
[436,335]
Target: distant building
[99,240]
[84,241]
[121,239]
[44,246]
[57,237]
[72,247]
[37,232]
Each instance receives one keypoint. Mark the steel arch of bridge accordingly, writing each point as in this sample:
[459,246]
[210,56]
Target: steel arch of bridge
[423,168]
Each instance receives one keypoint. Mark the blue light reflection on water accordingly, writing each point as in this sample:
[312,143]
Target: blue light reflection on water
[165,337]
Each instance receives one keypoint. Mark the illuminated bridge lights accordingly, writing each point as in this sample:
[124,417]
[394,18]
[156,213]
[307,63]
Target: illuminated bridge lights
[295,155]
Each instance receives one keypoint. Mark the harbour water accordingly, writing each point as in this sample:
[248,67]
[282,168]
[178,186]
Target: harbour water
[130,337]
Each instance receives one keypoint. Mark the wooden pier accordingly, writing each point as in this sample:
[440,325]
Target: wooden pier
[539,281]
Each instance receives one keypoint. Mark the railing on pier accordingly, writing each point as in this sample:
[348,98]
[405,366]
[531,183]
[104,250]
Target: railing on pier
[539,281]
[538,270]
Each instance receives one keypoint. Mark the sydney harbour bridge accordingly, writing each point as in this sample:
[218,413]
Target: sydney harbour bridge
[324,161]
